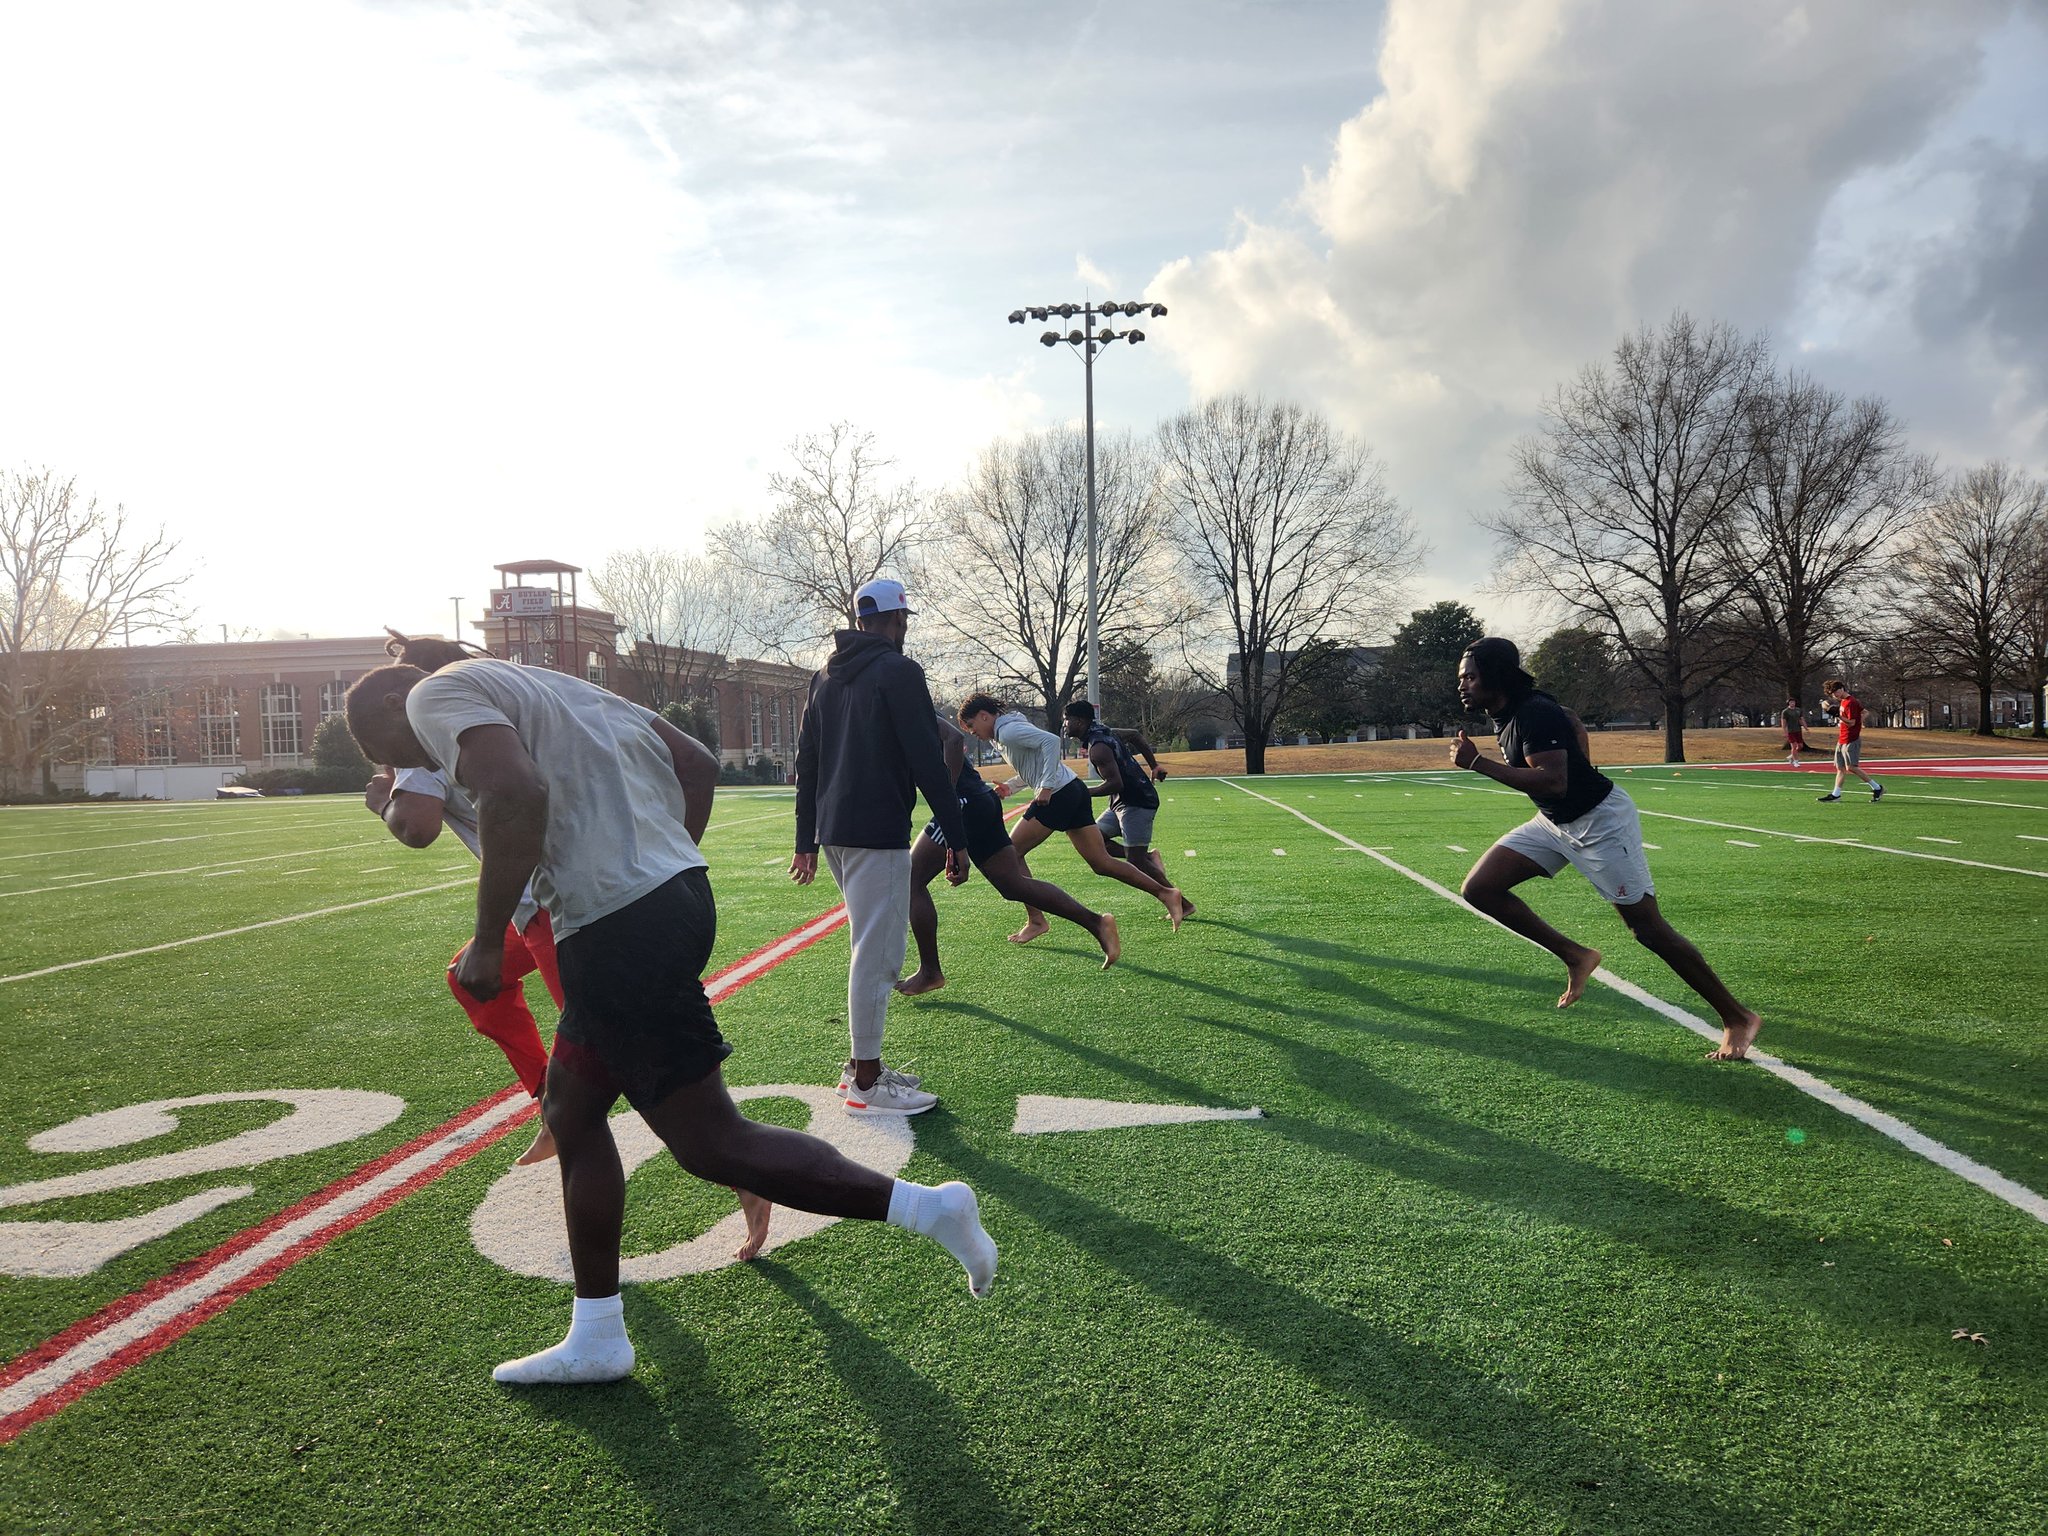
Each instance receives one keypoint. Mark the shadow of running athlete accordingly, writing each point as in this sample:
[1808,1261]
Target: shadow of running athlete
[989,846]
[1583,819]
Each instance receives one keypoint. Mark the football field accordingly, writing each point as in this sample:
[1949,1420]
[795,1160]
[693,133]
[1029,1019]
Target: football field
[1478,1265]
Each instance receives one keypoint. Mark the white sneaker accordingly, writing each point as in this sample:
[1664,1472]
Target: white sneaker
[890,1094]
[846,1078]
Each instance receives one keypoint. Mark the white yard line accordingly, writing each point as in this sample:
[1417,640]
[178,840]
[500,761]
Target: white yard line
[188,837]
[191,869]
[1990,1180]
[720,826]
[1949,840]
[229,933]
[1736,842]
[1801,837]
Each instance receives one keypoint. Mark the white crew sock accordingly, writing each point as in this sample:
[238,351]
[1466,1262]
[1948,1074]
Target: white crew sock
[950,1215]
[596,1349]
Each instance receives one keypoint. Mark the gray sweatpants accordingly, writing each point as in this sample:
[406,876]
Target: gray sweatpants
[875,884]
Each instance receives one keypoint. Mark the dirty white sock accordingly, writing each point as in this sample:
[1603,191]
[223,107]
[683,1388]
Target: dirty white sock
[596,1349]
[950,1215]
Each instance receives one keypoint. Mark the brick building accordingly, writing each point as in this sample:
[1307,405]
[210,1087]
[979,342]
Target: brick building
[176,722]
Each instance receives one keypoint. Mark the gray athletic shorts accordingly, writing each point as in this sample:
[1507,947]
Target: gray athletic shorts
[1132,823]
[1605,845]
[1849,754]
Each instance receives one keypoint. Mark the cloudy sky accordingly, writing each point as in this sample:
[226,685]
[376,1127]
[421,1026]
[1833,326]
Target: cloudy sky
[360,299]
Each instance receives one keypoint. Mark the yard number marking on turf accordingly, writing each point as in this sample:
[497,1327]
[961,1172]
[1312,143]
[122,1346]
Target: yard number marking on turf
[128,1331]
[319,1117]
[1990,1180]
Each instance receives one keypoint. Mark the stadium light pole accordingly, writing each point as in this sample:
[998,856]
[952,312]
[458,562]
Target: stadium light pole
[1087,342]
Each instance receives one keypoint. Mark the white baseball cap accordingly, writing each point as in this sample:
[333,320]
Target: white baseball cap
[881,596]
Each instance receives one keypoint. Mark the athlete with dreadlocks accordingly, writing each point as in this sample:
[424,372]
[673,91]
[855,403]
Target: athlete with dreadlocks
[1583,819]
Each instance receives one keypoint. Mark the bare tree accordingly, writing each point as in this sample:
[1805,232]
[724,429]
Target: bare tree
[1830,486]
[73,580]
[679,613]
[1288,532]
[1961,580]
[838,522]
[1015,533]
[1621,508]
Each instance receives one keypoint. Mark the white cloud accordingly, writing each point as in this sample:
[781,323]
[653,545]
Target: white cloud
[1536,178]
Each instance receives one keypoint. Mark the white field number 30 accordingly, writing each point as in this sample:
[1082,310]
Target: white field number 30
[518,1225]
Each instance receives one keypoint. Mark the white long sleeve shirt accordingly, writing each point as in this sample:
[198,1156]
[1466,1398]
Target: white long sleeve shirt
[1033,751]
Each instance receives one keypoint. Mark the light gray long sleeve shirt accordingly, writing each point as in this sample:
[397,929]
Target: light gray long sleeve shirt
[1033,751]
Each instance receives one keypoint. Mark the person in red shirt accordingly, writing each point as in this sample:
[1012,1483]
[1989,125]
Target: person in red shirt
[1848,739]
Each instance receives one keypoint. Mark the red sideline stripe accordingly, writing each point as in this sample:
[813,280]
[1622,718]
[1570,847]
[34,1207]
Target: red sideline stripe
[169,1333]
[192,1269]
[711,982]
[114,1312]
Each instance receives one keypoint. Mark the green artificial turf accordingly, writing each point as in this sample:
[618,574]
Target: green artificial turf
[1484,1266]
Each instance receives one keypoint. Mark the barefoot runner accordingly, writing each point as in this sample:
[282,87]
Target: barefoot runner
[989,846]
[1583,819]
[600,803]
[1060,805]
[1126,826]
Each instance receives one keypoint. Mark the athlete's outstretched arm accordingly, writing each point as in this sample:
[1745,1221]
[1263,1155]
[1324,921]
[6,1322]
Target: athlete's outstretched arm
[697,773]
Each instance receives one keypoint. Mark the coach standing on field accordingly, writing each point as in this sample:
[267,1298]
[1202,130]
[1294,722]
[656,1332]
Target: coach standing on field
[868,743]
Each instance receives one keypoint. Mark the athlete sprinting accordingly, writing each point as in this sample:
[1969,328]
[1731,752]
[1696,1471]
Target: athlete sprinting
[600,803]
[1060,804]
[1583,819]
[1127,825]
[1848,740]
[989,846]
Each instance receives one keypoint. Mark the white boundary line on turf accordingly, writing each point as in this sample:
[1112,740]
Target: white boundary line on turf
[1619,771]
[229,933]
[153,874]
[720,826]
[1990,1180]
[183,837]
[1803,837]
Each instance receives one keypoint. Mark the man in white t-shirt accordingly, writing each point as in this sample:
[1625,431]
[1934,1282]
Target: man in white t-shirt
[600,803]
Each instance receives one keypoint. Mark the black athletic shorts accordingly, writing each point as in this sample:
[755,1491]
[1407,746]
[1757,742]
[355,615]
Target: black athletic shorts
[634,1011]
[1069,809]
[986,834]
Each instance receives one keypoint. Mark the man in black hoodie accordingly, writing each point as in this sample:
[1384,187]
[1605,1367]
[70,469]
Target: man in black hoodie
[869,742]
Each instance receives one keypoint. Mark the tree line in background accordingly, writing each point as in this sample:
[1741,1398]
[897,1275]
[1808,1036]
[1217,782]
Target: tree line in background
[1707,533]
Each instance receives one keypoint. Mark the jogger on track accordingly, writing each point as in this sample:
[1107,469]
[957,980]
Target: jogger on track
[1583,819]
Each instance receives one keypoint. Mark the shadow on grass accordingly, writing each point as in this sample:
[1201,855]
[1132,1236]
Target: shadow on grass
[938,1485]
[687,1456]
[1429,1394]
[1690,1230]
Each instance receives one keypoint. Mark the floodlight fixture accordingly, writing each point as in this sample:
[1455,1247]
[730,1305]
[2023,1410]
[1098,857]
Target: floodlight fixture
[1158,311]
[1088,341]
